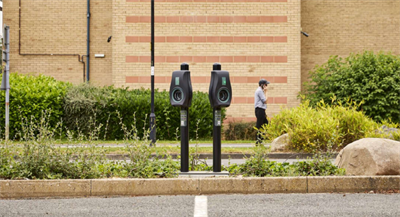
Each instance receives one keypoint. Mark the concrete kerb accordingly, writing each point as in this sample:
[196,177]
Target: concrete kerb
[352,184]
[44,188]
[140,187]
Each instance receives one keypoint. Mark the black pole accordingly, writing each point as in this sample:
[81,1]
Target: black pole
[184,139]
[184,132]
[217,139]
[217,132]
[152,115]
[88,42]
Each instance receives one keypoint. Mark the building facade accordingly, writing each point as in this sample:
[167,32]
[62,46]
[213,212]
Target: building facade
[252,39]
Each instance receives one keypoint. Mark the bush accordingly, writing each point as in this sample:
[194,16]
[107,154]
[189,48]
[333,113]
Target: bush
[313,129]
[29,96]
[241,131]
[108,107]
[367,78]
[258,165]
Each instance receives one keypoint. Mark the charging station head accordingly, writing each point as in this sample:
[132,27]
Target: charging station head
[220,90]
[180,93]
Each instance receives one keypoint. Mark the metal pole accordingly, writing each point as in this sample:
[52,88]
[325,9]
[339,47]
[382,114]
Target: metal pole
[217,140]
[184,139]
[152,115]
[6,76]
[7,109]
[88,42]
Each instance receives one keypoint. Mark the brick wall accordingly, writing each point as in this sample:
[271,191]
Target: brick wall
[59,27]
[339,27]
[250,38]
[100,30]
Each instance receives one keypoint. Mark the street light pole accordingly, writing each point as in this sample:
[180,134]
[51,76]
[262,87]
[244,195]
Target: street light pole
[5,83]
[152,115]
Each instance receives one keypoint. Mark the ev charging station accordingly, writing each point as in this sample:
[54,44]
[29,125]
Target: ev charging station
[180,95]
[220,95]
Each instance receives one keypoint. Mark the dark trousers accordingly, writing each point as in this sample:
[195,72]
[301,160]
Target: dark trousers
[261,120]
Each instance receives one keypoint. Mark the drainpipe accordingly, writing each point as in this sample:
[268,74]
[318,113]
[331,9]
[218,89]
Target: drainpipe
[88,42]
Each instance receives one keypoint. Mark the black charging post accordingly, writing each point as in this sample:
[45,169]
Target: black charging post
[181,96]
[220,95]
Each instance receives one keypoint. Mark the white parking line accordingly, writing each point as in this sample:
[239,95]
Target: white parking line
[200,206]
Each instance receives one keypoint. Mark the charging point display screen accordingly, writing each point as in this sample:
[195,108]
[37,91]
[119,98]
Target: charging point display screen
[223,80]
[177,81]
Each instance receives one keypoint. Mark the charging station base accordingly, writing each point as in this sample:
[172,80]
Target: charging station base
[203,174]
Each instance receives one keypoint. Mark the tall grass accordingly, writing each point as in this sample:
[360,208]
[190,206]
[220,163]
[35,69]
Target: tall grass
[37,156]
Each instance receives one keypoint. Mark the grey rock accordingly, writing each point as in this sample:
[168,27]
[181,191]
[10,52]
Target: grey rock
[280,143]
[370,156]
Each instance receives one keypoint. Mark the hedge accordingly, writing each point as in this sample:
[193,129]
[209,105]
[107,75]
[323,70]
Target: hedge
[241,131]
[30,96]
[109,104]
[85,110]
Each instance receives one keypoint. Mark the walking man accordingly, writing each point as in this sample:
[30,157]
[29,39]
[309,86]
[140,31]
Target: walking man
[260,105]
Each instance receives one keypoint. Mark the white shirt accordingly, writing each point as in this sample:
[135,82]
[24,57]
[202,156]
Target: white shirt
[259,99]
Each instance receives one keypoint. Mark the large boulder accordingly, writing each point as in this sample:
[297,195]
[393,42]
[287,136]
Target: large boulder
[280,143]
[370,156]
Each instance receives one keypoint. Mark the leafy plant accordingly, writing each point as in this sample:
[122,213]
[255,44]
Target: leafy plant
[39,158]
[319,165]
[258,165]
[29,96]
[369,79]
[312,128]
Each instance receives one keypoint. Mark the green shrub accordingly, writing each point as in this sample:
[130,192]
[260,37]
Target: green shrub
[87,106]
[240,131]
[373,79]
[29,96]
[262,168]
[84,106]
[258,165]
[311,129]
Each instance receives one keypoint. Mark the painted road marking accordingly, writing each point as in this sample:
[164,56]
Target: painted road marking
[200,206]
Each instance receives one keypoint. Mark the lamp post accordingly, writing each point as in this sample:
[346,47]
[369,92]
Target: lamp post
[5,83]
[152,115]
